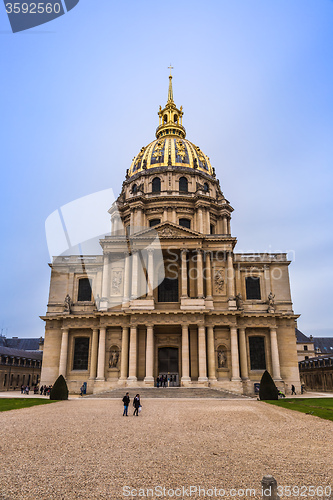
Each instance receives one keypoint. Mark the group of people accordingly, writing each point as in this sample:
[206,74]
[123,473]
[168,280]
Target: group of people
[166,381]
[43,390]
[136,404]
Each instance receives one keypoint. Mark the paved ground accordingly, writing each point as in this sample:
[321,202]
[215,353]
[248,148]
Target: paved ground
[85,449]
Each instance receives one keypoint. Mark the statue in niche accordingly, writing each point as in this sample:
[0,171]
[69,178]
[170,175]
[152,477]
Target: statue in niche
[221,358]
[67,304]
[239,302]
[113,359]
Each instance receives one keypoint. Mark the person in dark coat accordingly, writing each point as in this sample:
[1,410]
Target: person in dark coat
[293,390]
[136,404]
[126,401]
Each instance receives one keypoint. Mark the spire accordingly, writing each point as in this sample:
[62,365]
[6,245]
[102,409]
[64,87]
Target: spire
[171,118]
[170,93]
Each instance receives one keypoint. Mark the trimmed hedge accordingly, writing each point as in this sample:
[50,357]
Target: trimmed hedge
[268,390]
[59,390]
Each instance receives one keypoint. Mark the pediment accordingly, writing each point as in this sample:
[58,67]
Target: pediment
[168,230]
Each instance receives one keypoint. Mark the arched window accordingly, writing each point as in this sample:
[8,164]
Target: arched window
[84,292]
[257,353]
[154,222]
[81,353]
[175,118]
[165,118]
[185,223]
[134,189]
[253,288]
[156,185]
[206,187]
[168,290]
[183,185]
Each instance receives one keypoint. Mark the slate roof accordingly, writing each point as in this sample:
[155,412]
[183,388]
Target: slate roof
[19,353]
[301,338]
[325,344]
[22,344]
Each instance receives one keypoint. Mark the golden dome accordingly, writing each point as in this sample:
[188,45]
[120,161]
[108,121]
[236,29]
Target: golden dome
[171,151]
[170,148]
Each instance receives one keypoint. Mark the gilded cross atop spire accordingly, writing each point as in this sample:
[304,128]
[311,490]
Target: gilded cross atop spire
[170,93]
[171,118]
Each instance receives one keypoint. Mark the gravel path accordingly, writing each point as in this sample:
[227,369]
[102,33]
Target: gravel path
[85,449]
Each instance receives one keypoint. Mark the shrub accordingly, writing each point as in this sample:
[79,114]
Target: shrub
[59,390]
[268,390]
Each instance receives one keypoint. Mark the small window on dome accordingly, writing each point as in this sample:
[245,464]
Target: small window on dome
[134,188]
[156,185]
[175,119]
[183,185]
[165,118]
[206,187]
[185,223]
[154,222]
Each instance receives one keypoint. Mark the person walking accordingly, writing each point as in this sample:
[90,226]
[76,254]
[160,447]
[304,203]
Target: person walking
[293,389]
[126,401]
[136,404]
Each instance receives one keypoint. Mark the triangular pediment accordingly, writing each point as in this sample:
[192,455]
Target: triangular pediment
[168,230]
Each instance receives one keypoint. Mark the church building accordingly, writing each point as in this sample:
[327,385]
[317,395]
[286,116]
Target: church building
[168,294]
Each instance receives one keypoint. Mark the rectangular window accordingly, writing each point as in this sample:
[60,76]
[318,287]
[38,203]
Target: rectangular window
[253,288]
[154,222]
[257,353]
[81,353]
[305,348]
[84,293]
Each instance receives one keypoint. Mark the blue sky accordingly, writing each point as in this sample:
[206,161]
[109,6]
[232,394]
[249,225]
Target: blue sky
[79,98]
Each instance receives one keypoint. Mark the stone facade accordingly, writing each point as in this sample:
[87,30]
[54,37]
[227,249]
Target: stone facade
[169,295]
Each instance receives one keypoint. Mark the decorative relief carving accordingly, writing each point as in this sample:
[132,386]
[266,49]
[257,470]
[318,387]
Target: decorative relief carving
[219,280]
[117,279]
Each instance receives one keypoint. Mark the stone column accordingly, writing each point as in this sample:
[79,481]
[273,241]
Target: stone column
[127,280]
[207,221]
[124,354]
[228,225]
[185,355]
[132,354]
[183,254]
[242,352]
[165,214]
[93,359]
[230,276]
[101,355]
[211,353]
[150,355]
[63,352]
[234,354]
[132,221]
[200,220]
[275,355]
[202,354]
[199,274]
[225,225]
[135,269]
[105,281]
[150,273]
[174,216]
[209,290]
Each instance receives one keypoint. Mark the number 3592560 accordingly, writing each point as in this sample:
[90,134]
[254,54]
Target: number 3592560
[33,8]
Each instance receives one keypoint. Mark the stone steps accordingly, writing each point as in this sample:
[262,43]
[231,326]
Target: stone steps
[168,392]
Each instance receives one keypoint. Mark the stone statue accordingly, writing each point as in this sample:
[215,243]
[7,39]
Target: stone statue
[67,304]
[98,302]
[113,360]
[239,302]
[221,359]
[271,298]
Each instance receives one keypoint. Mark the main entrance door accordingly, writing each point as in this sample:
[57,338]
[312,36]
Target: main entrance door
[168,364]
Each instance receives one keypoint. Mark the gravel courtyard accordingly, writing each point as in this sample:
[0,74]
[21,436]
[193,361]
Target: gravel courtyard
[85,449]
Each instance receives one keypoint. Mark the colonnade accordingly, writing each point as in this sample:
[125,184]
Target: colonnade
[206,354]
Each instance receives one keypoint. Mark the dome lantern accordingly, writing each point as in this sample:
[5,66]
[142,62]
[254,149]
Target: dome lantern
[171,118]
